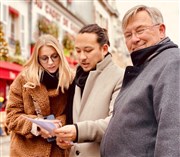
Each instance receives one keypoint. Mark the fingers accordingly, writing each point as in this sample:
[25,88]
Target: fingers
[64,138]
[58,124]
[68,129]
[65,135]
[45,134]
[64,144]
[63,130]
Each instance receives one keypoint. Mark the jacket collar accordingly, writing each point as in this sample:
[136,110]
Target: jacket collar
[101,65]
[139,57]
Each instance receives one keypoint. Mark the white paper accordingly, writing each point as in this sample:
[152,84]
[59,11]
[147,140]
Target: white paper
[45,124]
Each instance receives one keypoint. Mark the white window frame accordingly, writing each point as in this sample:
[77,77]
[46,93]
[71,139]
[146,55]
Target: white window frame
[4,19]
[22,31]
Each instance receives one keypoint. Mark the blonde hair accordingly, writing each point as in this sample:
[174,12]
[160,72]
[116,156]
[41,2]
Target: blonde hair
[154,13]
[32,69]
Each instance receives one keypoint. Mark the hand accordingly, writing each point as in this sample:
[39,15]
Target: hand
[44,133]
[64,144]
[57,123]
[65,134]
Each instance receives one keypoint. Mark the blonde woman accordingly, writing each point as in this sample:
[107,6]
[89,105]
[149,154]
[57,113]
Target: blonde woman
[40,90]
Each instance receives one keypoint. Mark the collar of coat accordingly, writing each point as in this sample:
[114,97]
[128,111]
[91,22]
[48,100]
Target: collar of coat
[139,57]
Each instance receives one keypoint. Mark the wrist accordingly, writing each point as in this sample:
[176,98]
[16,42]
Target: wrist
[76,126]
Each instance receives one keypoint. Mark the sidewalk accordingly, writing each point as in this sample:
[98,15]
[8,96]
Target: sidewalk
[4,146]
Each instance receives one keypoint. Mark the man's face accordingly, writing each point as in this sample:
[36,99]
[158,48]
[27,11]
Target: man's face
[88,50]
[141,32]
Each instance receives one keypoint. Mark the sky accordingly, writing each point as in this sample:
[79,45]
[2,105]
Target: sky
[170,10]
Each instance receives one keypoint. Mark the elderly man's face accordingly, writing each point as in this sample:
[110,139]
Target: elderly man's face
[141,32]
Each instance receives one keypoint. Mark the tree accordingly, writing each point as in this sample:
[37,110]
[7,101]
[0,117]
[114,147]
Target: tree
[3,45]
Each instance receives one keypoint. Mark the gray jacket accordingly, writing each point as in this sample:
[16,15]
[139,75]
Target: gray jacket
[146,117]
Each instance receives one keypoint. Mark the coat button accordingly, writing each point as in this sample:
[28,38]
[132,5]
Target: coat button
[77,152]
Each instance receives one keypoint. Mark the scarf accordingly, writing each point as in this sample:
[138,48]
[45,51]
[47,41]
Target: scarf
[142,56]
[80,80]
[50,80]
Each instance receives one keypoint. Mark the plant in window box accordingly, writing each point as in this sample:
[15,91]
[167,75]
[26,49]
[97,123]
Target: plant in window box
[68,45]
[47,27]
[54,30]
[17,57]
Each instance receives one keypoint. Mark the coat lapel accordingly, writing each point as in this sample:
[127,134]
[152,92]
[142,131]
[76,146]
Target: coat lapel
[78,102]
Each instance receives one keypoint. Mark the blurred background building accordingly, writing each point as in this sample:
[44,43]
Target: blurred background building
[23,21]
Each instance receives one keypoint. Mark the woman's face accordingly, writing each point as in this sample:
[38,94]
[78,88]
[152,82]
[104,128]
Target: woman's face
[49,58]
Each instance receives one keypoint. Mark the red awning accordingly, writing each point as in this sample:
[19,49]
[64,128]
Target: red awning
[71,62]
[9,71]
[13,11]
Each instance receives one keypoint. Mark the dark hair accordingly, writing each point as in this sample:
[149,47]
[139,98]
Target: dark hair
[102,35]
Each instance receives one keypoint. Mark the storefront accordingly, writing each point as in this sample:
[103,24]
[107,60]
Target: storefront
[8,72]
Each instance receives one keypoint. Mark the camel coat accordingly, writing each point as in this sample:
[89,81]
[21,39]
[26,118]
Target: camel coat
[93,110]
[23,143]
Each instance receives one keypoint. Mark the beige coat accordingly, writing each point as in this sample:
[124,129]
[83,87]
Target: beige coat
[93,111]
[23,143]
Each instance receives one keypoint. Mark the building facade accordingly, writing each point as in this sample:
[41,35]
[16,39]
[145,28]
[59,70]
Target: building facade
[15,33]
[24,21]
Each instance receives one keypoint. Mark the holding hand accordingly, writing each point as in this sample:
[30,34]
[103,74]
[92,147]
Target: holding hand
[45,133]
[65,136]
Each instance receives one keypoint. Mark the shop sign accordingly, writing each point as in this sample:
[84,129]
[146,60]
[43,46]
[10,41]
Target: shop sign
[48,9]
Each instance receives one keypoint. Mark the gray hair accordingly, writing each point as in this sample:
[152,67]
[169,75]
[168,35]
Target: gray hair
[154,13]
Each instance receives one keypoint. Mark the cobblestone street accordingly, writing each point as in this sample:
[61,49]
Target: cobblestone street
[4,146]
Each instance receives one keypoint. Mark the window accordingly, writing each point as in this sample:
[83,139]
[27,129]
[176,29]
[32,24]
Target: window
[14,14]
[12,30]
[22,38]
[4,18]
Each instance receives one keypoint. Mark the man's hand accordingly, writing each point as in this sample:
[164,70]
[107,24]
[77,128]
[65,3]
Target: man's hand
[65,136]
[64,144]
